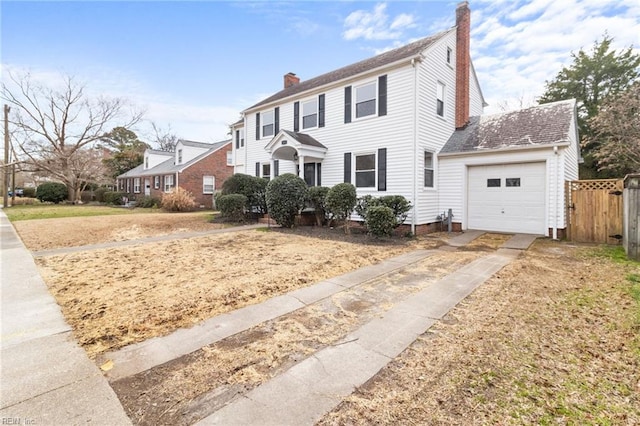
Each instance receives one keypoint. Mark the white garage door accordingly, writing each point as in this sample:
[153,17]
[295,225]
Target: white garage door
[507,198]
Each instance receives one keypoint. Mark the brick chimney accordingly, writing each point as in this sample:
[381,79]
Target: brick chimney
[290,79]
[463,31]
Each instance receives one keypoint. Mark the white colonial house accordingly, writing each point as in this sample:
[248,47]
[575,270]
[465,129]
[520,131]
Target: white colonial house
[409,122]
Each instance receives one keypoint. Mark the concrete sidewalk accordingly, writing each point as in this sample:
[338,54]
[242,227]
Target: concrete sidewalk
[45,377]
[313,387]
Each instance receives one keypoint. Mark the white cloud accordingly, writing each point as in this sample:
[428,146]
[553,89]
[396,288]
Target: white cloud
[517,46]
[376,25]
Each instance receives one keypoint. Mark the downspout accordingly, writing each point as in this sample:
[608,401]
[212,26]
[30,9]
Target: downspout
[557,192]
[415,146]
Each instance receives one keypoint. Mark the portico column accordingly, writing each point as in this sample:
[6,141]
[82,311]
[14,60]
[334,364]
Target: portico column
[301,167]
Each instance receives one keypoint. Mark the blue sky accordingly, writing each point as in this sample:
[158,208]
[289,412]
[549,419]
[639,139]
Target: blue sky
[194,65]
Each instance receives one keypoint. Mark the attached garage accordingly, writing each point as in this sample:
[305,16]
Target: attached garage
[507,197]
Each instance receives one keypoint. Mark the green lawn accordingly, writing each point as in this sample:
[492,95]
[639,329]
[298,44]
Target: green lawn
[48,211]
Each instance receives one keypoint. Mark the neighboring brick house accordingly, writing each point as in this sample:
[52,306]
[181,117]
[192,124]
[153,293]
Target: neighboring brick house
[200,168]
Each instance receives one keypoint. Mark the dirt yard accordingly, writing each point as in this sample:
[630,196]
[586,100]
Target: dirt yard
[119,296]
[554,337]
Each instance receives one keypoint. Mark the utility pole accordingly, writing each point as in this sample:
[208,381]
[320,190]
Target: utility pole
[5,175]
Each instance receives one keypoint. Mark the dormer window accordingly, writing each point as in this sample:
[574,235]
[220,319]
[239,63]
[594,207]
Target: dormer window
[179,156]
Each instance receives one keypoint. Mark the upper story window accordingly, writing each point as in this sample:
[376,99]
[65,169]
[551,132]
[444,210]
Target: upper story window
[428,169]
[366,100]
[449,52]
[239,138]
[179,156]
[268,123]
[310,114]
[440,99]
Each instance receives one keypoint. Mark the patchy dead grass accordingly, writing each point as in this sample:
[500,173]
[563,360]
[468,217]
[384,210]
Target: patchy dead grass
[45,234]
[116,297]
[185,390]
[552,338]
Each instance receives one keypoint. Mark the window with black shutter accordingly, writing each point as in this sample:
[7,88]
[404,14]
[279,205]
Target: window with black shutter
[321,110]
[347,105]
[382,95]
[382,169]
[296,116]
[347,167]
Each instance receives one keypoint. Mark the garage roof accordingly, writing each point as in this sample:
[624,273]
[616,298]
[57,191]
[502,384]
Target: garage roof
[546,124]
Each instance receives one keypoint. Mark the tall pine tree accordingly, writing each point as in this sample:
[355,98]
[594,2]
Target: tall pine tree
[590,79]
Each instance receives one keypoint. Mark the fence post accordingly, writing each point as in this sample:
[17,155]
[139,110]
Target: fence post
[631,232]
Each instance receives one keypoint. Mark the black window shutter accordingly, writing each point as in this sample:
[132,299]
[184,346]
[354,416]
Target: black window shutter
[277,121]
[382,95]
[296,116]
[319,171]
[382,169]
[257,126]
[276,168]
[258,169]
[347,104]
[237,139]
[347,167]
[321,110]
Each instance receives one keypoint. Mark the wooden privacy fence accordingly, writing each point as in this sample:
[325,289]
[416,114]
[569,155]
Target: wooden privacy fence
[595,211]
[631,196]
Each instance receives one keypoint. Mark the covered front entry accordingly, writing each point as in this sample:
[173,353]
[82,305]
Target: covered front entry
[507,198]
[304,151]
[147,187]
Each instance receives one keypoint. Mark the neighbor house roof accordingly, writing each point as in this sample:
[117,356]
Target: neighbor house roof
[395,55]
[168,165]
[541,125]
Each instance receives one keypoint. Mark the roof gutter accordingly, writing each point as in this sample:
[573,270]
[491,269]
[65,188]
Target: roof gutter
[506,149]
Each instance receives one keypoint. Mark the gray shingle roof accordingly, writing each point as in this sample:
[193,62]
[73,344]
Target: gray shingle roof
[386,58]
[168,167]
[541,125]
[304,139]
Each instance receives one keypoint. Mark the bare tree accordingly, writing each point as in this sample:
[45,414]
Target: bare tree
[521,102]
[615,138]
[165,139]
[55,128]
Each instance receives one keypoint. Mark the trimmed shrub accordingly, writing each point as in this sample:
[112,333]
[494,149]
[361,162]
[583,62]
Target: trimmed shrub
[178,201]
[115,198]
[340,202]
[232,206]
[380,221]
[148,202]
[29,192]
[52,192]
[317,196]
[99,194]
[286,195]
[399,205]
[252,187]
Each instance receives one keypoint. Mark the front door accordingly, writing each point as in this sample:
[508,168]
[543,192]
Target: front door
[147,187]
